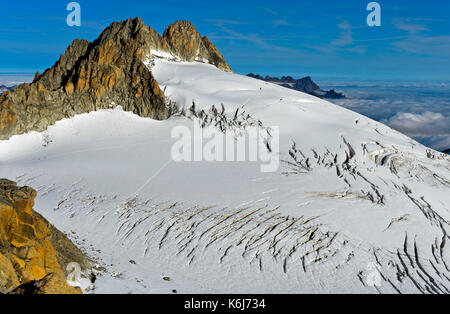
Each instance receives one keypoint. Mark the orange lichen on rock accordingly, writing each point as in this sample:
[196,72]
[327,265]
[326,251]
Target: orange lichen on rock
[26,252]
[69,88]
[7,117]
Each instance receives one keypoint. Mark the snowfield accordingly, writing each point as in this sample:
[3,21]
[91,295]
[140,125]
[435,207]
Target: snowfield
[354,208]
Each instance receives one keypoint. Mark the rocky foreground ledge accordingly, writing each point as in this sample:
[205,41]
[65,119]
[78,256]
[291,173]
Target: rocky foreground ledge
[32,252]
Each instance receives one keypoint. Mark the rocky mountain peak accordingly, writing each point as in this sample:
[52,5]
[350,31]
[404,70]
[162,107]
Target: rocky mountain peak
[104,73]
[185,42]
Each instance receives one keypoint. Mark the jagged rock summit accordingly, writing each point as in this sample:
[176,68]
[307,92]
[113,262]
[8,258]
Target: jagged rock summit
[104,73]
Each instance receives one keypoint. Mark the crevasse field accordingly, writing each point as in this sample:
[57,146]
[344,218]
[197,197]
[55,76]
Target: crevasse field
[355,207]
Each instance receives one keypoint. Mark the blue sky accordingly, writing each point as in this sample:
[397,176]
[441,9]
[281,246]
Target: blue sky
[324,39]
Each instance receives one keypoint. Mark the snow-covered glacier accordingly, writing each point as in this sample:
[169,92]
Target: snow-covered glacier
[355,206]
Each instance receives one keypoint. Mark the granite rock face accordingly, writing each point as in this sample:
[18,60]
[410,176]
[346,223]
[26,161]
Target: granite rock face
[183,40]
[107,72]
[27,256]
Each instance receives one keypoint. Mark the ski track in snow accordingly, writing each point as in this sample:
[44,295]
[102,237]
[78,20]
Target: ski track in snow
[350,193]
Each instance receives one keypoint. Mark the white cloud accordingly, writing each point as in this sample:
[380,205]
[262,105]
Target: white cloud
[269,11]
[418,42]
[346,35]
[281,22]
[411,28]
[439,143]
[421,125]
[426,45]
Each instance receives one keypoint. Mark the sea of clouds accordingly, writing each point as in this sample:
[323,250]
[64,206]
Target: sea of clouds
[419,110]
[12,79]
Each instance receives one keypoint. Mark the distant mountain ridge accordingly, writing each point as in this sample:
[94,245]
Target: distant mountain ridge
[305,85]
[4,88]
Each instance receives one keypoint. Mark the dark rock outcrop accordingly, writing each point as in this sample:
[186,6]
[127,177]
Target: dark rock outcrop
[332,94]
[305,85]
[98,75]
[4,88]
[27,254]
[50,284]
